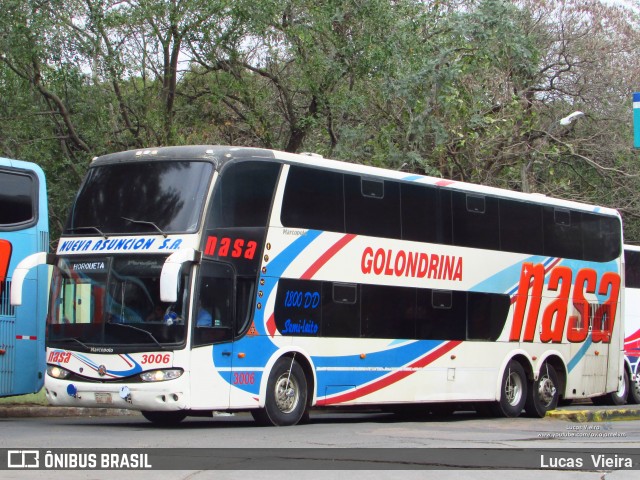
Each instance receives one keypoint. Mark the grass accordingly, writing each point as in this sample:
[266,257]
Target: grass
[31,399]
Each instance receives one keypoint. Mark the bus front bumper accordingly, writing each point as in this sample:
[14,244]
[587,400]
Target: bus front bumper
[169,395]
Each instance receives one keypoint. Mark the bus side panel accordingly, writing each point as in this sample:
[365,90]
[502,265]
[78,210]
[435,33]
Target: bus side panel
[29,351]
[22,329]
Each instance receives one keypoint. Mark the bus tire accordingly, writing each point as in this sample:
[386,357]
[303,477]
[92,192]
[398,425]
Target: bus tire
[634,390]
[286,400]
[543,393]
[164,419]
[618,397]
[513,391]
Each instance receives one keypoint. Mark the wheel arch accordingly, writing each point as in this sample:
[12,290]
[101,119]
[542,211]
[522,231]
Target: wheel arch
[306,363]
[626,364]
[517,356]
[555,360]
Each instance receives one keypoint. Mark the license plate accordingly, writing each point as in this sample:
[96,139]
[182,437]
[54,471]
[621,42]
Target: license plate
[103,398]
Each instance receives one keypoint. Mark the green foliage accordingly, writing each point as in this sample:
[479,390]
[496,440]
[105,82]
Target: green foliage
[462,89]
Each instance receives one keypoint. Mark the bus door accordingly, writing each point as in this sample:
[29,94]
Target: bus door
[212,320]
[591,356]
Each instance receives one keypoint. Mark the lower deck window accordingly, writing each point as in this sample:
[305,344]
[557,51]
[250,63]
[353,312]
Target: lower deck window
[327,309]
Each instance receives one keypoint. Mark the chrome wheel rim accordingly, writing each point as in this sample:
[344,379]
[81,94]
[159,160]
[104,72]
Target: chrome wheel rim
[513,388]
[287,393]
[546,391]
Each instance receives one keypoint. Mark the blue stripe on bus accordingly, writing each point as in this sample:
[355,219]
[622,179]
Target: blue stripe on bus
[261,345]
[413,178]
[344,372]
[580,355]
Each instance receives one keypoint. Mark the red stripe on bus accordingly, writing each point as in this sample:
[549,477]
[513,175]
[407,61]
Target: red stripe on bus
[26,337]
[444,183]
[326,256]
[271,325]
[393,378]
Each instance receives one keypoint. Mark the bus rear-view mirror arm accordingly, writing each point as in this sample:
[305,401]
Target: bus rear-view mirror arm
[171,273]
[21,271]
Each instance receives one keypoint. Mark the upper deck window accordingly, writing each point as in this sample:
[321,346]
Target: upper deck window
[314,199]
[141,197]
[17,199]
[243,194]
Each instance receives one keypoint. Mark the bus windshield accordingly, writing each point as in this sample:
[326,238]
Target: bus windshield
[141,197]
[113,301]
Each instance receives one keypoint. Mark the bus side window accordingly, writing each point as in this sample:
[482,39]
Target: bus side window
[213,312]
[388,312]
[442,315]
[372,207]
[340,310]
[486,315]
[475,221]
[306,189]
[245,294]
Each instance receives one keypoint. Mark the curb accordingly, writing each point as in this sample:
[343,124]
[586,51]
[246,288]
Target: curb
[25,411]
[599,415]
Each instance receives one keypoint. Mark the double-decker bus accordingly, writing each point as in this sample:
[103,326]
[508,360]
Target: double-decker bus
[631,323]
[24,230]
[190,280]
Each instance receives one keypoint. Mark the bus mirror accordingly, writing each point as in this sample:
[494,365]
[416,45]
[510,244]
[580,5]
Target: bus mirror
[171,273]
[21,271]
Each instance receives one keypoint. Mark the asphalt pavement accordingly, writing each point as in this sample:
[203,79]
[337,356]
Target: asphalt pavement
[583,412]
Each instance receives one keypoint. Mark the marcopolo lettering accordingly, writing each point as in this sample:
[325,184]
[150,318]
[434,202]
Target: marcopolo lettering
[402,263]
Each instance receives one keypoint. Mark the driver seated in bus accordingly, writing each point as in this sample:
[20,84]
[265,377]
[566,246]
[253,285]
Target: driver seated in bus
[157,314]
[203,318]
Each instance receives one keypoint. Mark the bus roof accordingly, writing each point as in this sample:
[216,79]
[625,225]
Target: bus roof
[220,155]
[21,164]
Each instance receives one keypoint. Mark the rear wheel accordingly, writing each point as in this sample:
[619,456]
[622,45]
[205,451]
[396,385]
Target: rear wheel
[286,400]
[634,390]
[618,397]
[543,393]
[513,391]
[164,419]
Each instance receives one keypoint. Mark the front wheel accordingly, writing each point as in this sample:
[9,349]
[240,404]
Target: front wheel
[513,391]
[286,400]
[164,419]
[543,393]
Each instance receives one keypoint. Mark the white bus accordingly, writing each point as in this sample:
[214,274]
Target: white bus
[197,279]
[632,322]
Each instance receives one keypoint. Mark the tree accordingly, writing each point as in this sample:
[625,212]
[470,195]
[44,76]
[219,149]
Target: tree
[464,89]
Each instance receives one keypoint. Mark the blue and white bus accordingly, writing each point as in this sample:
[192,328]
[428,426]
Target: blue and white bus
[197,279]
[24,230]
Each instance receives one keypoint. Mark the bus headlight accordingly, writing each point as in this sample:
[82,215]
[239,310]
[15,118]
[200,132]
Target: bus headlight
[160,375]
[57,372]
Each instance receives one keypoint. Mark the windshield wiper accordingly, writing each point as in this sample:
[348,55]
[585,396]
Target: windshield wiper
[72,339]
[139,330]
[144,222]
[95,229]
